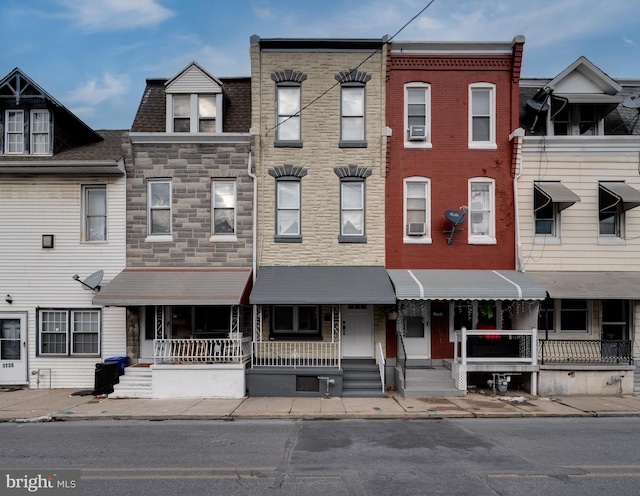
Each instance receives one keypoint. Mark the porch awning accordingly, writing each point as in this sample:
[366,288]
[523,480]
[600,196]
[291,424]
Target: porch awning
[620,192]
[175,286]
[317,285]
[417,284]
[553,191]
[590,284]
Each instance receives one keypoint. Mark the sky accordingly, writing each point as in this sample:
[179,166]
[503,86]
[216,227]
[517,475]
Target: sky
[94,56]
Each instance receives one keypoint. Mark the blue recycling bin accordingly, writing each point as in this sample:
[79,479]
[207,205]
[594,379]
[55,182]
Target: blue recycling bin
[122,362]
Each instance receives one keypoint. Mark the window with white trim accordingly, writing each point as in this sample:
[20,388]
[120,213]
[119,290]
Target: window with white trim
[94,212]
[40,135]
[159,207]
[417,210]
[193,113]
[69,332]
[288,208]
[564,316]
[352,110]
[482,115]
[352,214]
[481,213]
[288,109]
[224,207]
[417,115]
[14,132]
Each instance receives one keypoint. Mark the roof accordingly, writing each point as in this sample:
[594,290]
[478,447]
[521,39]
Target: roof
[456,284]
[176,286]
[589,284]
[319,44]
[316,285]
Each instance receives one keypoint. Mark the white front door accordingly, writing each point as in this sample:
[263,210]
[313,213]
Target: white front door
[357,331]
[13,348]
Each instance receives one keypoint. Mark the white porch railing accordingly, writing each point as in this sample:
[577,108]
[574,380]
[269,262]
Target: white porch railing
[296,354]
[236,350]
[512,346]
[380,362]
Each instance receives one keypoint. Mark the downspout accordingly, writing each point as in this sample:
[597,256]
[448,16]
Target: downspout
[518,134]
[255,214]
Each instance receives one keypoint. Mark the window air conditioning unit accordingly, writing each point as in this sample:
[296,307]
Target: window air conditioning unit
[416,229]
[417,133]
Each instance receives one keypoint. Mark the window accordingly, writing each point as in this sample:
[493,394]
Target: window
[352,220]
[482,111]
[573,119]
[40,132]
[288,209]
[193,113]
[224,207]
[417,115]
[481,211]
[567,316]
[69,332]
[417,228]
[546,219]
[288,108]
[14,137]
[610,218]
[352,124]
[94,209]
[159,204]
[295,319]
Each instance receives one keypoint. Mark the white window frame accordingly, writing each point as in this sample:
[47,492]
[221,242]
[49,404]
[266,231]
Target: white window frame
[194,112]
[426,237]
[35,132]
[361,208]
[85,229]
[151,236]
[555,320]
[282,118]
[490,237]
[16,129]
[280,208]
[426,88]
[348,87]
[69,319]
[489,144]
[219,236]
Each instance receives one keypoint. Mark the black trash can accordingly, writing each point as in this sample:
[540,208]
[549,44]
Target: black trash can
[107,374]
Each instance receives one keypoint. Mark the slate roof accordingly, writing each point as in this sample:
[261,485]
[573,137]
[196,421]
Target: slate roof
[151,114]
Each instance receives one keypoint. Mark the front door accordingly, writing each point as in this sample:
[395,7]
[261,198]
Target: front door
[417,330]
[357,331]
[13,349]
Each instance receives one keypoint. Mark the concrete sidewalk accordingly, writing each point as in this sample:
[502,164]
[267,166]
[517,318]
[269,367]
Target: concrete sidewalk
[39,405]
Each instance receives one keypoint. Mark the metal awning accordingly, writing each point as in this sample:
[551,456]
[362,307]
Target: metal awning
[317,285]
[553,191]
[621,192]
[589,284]
[175,286]
[422,284]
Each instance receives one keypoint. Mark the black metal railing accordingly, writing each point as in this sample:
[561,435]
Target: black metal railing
[404,359]
[584,351]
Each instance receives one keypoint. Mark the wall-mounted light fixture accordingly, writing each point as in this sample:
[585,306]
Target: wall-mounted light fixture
[47,240]
[9,299]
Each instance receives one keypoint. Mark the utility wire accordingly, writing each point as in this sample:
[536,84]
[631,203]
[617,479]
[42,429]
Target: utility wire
[354,69]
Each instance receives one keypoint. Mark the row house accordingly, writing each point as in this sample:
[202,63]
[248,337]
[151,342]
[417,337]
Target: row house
[62,198]
[578,193]
[318,109]
[465,314]
[189,239]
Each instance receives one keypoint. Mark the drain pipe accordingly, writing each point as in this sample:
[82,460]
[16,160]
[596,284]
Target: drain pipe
[254,316]
[518,134]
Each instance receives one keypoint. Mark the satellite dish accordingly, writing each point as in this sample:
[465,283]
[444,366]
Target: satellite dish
[455,216]
[632,101]
[92,281]
[538,106]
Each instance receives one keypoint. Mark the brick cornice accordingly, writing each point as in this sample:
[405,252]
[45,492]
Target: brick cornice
[430,62]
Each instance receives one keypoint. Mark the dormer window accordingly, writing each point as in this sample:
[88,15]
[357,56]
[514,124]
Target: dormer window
[574,120]
[194,113]
[38,139]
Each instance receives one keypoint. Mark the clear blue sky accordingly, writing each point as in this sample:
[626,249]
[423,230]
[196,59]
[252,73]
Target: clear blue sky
[95,55]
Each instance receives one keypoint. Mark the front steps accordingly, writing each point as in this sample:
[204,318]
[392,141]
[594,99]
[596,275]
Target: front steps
[135,383]
[361,379]
[426,380]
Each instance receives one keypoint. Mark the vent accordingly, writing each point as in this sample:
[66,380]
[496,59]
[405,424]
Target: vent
[416,229]
[417,133]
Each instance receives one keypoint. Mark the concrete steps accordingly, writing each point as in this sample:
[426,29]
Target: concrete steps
[135,383]
[361,379]
[424,381]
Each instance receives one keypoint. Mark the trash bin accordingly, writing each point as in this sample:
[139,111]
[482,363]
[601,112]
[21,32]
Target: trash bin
[106,376]
[121,360]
